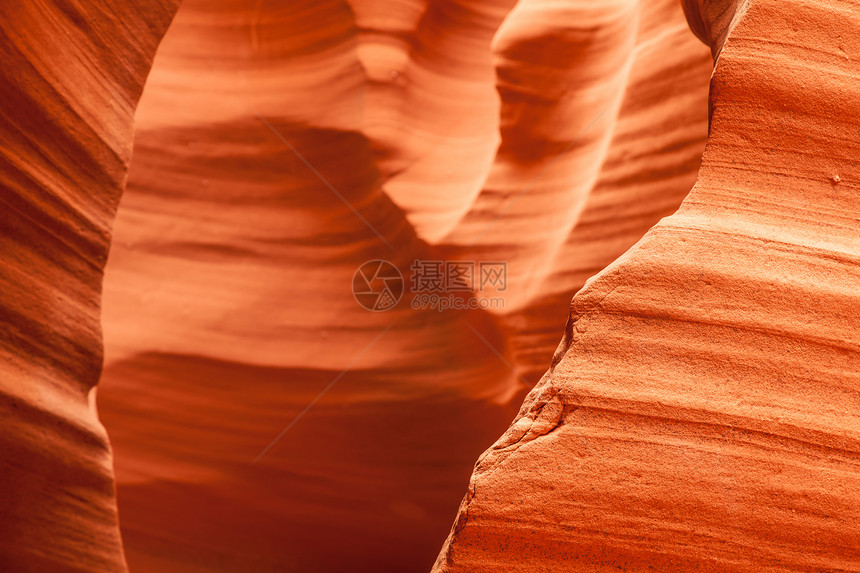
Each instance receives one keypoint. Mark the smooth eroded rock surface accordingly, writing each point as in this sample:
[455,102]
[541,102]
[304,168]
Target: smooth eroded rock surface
[70,79]
[701,412]
[279,147]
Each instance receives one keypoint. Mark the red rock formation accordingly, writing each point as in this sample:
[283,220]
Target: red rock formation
[71,77]
[227,301]
[700,413]
[228,310]
[278,147]
[645,172]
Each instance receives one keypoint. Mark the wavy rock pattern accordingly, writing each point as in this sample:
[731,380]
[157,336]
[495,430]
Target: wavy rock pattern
[228,310]
[69,84]
[277,147]
[701,412]
[227,290]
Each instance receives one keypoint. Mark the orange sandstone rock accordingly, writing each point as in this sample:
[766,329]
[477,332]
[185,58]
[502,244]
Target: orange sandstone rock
[71,77]
[700,413]
[261,419]
[227,301]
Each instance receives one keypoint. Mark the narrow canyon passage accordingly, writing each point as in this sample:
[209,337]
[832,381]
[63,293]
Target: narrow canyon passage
[320,257]
[227,305]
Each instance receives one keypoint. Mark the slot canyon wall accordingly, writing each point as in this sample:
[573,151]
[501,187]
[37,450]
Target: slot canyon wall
[71,77]
[699,414]
[227,297]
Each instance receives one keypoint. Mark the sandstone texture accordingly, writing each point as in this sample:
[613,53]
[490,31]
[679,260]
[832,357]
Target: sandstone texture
[700,413]
[188,187]
[549,137]
[71,77]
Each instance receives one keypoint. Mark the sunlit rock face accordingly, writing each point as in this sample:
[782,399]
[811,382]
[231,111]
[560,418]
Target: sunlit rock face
[701,412]
[281,145]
